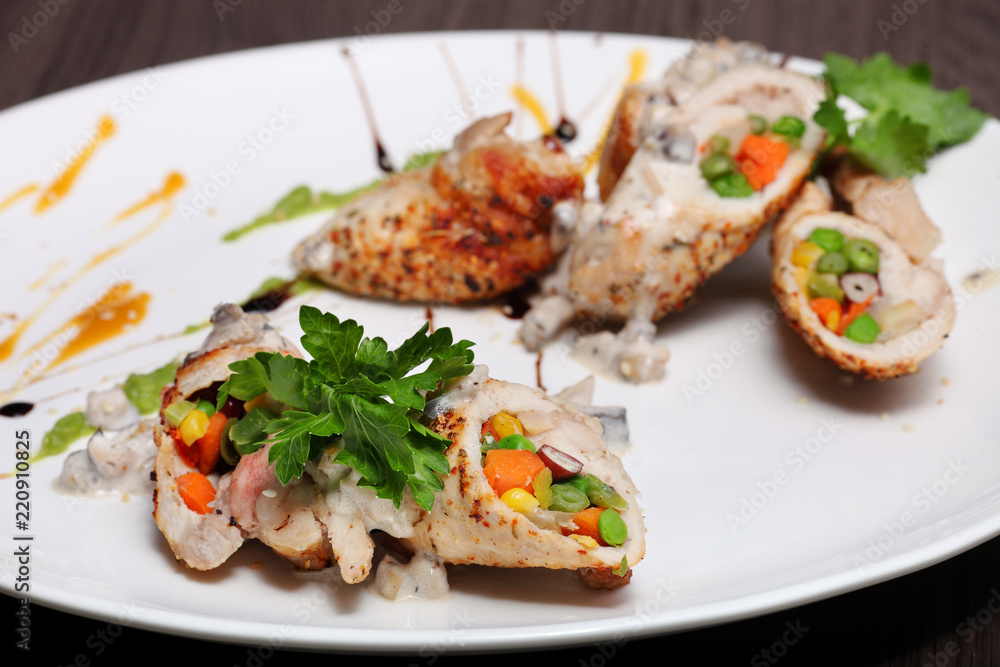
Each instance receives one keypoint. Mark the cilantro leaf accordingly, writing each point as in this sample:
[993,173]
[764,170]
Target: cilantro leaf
[909,119]
[356,394]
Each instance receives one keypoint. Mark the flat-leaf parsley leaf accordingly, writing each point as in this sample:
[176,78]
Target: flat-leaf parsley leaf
[359,395]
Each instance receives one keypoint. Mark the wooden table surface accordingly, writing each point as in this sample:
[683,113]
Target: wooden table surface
[942,615]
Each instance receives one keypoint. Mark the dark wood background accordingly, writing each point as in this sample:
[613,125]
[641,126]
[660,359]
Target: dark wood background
[938,616]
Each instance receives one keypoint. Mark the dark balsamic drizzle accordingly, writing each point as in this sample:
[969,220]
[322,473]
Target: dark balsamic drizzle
[565,130]
[18,409]
[515,303]
[381,156]
[538,371]
[269,300]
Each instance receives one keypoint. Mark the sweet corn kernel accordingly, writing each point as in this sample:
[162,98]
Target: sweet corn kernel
[833,320]
[585,540]
[802,279]
[806,253]
[506,424]
[193,426]
[519,500]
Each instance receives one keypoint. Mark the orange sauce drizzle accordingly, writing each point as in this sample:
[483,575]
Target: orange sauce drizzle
[61,186]
[53,269]
[638,60]
[17,196]
[171,185]
[115,313]
[532,105]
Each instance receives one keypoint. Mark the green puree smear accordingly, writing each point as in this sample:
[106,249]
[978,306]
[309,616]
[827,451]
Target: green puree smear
[64,433]
[141,389]
[303,201]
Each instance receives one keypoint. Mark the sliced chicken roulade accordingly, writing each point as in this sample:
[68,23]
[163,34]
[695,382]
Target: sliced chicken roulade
[707,173]
[862,289]
[474,225]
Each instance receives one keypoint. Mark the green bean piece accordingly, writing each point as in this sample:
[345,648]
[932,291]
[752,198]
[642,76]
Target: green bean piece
[226,447]
[824,284]
[716,166]
[832,262]
[862,255]
[790,126]
[516,441]
[732,185]
[177,411]
[567,498]
[864,329]
[758,124]
[597,491]
[828,239]
[612,529]
[717,144]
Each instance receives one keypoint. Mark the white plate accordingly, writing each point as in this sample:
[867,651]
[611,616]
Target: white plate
[907,477]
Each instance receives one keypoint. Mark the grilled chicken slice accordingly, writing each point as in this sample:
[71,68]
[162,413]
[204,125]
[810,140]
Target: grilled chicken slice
[469,523]
[472,226]
[704,62]
[664,230]
[914,308]
[205,541]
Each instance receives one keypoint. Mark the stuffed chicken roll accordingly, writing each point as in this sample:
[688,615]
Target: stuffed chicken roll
[862,289]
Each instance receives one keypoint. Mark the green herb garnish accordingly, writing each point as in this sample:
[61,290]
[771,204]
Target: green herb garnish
[358,395]
[908,121]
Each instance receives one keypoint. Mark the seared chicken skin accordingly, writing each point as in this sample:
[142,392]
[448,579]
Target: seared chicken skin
[665,228]
[325,516]
[912,303]
[472,226]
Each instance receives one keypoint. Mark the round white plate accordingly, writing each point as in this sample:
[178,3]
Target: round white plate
[767,480]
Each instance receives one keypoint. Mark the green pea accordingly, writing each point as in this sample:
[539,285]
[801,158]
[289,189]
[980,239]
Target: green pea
[790,126]
[824,284]
[597,491]
[177,411]
[864,329]
[716,166]
[732,185]
[718,144]
[832,262]
[207,407]
[828,239]
[612,529]
[516,441]
[226,446]
[567,498]
[758,124]
[862,255]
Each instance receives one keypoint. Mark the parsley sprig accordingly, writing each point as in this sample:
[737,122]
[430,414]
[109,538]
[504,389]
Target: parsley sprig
[358,394]
[908,119]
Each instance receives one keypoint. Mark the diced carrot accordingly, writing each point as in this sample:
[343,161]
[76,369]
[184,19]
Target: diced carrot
[829,311]
[854,311]
[507,469]
[760,158]
[189,453]
[210,444]
[196,491]
[488,428]
[586,523]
